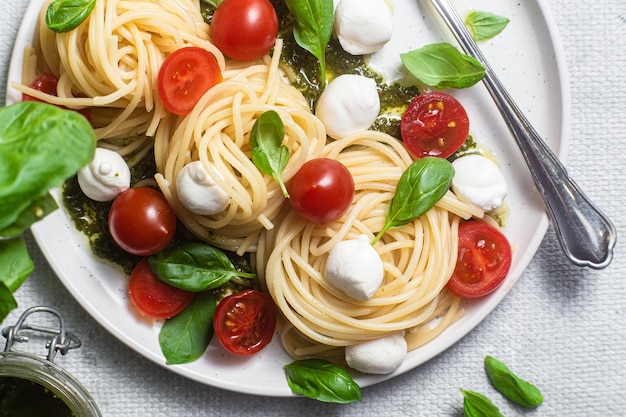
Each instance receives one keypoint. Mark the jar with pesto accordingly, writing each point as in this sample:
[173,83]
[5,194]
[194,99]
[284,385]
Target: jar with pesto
[33,385]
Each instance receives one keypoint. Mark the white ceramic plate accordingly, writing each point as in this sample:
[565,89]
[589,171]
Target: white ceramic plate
[528,58]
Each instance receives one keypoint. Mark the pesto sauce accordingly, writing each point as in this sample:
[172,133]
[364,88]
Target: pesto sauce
[24,398]
[91,217]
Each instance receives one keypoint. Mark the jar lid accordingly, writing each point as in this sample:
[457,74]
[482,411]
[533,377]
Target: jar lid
[38,374]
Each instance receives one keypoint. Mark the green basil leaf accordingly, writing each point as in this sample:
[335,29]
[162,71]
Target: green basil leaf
[322,380]
[313,28]
[268,152]
[194,267]
[7,301]
[40,147]
[185,337]
[38,209]
[510,385]
[441,65]
[485,25]
[65,15]
[15,267]
[15,263]
[476,404]
[423,183]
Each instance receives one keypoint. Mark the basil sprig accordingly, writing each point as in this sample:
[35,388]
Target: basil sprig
[510,385]
[194,267]
[441,65]
[485,25]
[313,28]
[66,15]
[423,183]
[322,381]
[268,152]
[185,337]
[476,404]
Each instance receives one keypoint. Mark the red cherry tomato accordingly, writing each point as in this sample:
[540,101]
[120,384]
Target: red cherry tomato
[153,297]
[184,77]
[47,83]
[434,124]
[244,30]
[484,260]
[321,191]
[244,322]
[141,221]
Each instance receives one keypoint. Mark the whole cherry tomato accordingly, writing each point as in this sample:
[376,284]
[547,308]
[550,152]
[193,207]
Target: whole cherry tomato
[321,191]
[244,30]
[141,221]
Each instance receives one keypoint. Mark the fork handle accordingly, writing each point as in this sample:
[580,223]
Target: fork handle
[585,234]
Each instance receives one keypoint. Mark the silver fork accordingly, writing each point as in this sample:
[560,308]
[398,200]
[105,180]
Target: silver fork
[586,235]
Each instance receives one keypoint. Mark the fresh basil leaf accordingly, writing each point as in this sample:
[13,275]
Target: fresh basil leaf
[185,337]
[7,301]
[15,267]
[194,267]
[476,404]
[15,263]
[510,385]
[423,183]
[441,65]
[31,214]
[313,28]
[485,25]
[268,152]
[322,380]
[65,15]
[40,146]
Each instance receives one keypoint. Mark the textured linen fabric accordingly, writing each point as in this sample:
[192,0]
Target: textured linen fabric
[561,327]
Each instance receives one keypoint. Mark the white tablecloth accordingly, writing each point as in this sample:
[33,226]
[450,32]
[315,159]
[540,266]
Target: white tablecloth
[562,327]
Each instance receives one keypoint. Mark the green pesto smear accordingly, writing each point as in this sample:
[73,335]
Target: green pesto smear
[24,398]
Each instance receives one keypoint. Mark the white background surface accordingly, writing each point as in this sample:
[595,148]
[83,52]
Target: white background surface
[561,327]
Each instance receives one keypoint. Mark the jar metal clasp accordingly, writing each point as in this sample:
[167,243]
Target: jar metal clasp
[61,341]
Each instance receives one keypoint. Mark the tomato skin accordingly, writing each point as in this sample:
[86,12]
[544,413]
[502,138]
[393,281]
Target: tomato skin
[244,30]
[321,191]
[47,83]
[141,221]
[484,260]
[434,124]
[153,297]
[244,322]
[184,77]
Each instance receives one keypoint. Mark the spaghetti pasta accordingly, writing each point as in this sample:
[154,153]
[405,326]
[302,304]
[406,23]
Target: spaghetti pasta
[111,61]
[217,133]
[418,259]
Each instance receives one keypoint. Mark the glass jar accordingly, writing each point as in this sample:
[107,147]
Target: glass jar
[30,383]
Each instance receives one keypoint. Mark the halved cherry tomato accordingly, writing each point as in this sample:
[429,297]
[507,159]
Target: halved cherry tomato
[244,322]
[321,191]
[141,221]
[184,77]
[484,260]
[153,297]
[434,124]
[244,30]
